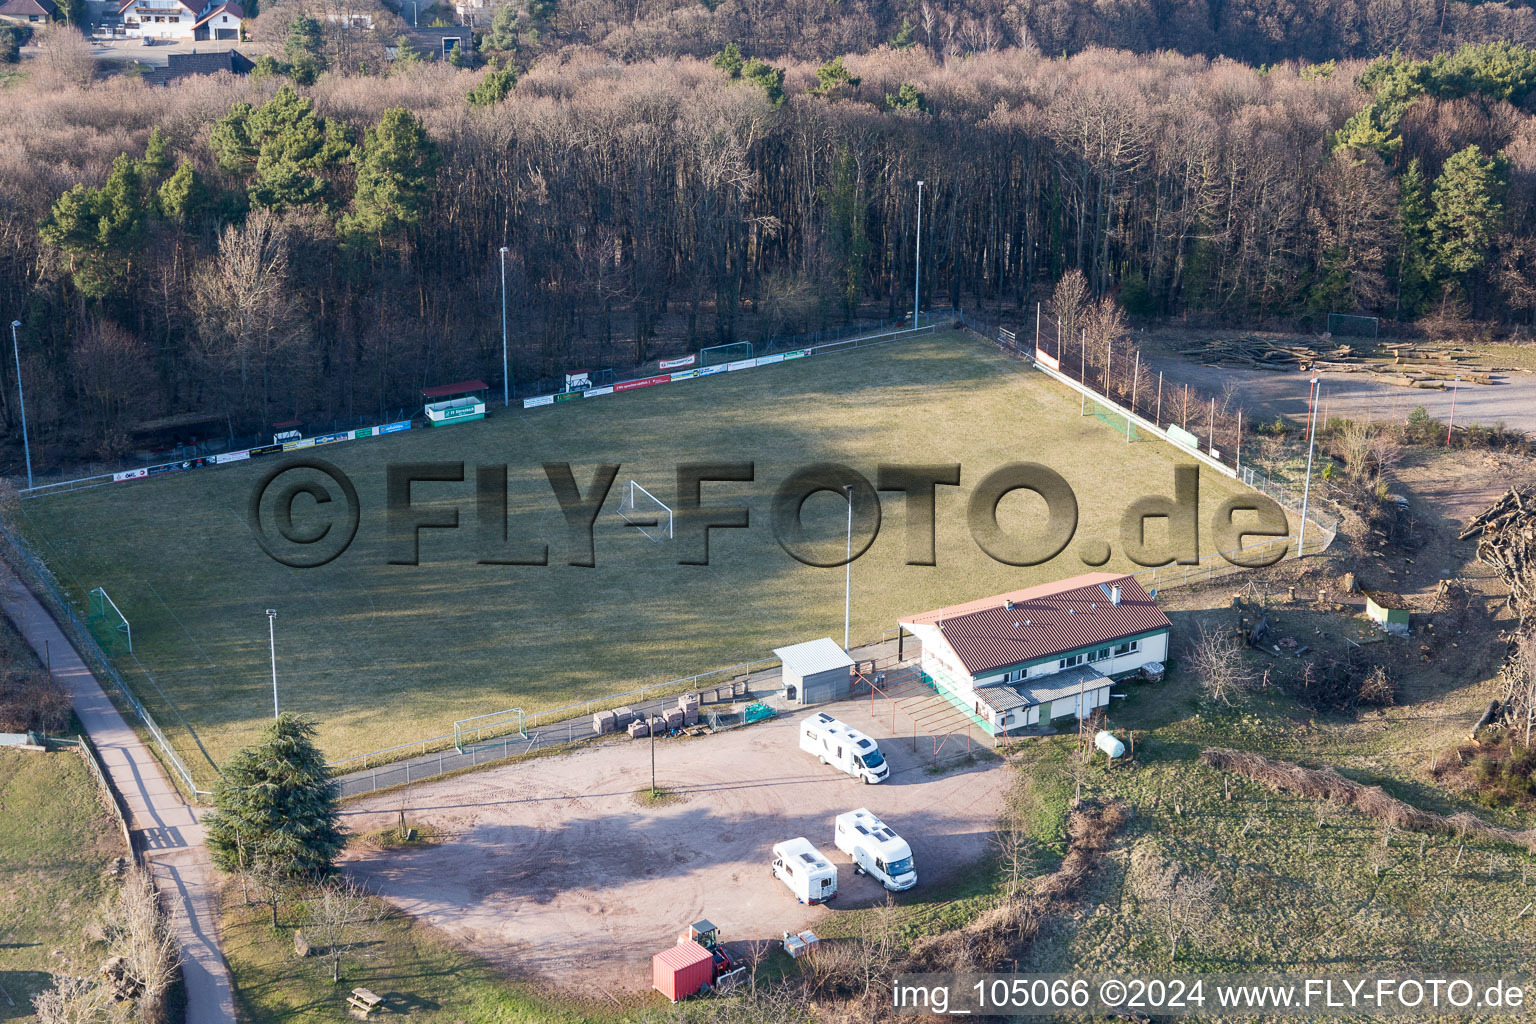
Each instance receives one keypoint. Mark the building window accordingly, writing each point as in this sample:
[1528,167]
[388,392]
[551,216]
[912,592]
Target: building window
[1128,648]
[1099,654]
[1072,662]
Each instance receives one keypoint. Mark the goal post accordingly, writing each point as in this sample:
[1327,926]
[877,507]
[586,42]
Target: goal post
[645,512]
[107,623]
[715,355]
[1350,325]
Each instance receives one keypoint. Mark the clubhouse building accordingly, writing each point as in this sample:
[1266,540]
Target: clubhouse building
[1027,657]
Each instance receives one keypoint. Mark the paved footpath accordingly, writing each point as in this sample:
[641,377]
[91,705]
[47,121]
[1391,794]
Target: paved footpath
[165,828]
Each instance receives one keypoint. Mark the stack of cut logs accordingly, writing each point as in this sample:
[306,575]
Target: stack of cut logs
[1415,365]
[1506,542]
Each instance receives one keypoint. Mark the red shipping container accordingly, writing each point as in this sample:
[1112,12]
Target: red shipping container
[682,971]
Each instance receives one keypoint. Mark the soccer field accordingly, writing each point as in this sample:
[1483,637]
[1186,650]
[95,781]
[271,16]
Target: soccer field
[382,654]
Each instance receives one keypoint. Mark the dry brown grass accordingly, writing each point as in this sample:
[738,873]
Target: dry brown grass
[1372,801]
[996,937]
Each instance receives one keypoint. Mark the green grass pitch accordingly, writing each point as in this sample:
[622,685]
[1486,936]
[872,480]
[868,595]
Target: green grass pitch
[383,654]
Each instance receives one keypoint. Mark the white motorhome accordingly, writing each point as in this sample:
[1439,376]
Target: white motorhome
[800,866]
[844,748]
[876,850]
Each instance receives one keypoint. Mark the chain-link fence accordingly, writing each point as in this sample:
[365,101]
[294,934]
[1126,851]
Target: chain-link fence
[40,581]
[1130,396]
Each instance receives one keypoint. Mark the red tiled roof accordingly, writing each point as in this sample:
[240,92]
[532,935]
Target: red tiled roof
[228,7]
[1044,621]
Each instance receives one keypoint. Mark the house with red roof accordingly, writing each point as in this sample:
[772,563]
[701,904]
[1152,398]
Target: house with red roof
[1027,657]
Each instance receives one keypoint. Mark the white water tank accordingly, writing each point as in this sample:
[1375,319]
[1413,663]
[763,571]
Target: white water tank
[1107,743]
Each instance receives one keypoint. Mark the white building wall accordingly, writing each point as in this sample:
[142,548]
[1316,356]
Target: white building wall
[139,21]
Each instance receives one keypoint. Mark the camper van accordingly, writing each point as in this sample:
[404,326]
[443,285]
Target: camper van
[844,748]
[876,850]
[810,876]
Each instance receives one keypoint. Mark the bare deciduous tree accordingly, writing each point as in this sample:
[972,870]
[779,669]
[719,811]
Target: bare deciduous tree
[341,916]
[245,304]
[1182,900]
[138,933]
[1217,659]
[72,1001]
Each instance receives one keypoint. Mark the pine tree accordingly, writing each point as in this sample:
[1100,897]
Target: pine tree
[303,50]
[905,37]
[396,165]
[729,60]
[1466,210]
[496,86]
[770,78]
[183,197]
[407,57]
[832,77]
[908,97]
[503,33]
[277,805]
[157,159]
[1415,265]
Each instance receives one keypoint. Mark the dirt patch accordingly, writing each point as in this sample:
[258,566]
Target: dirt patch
[550,868]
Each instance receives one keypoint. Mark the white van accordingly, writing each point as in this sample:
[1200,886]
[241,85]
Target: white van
[845,749]
[810,876]
[876,850]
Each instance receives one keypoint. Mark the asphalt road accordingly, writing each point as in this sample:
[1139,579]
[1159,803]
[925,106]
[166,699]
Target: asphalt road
[165,828]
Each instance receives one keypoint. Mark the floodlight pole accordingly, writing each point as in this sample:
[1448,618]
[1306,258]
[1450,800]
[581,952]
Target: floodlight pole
[1448,427]
[26,444]
[506,382]
[1306,491]
[272,641]
[848,570]
[917,285]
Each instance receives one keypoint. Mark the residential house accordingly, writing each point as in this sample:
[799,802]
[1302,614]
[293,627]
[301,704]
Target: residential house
[1023,658]
[29,12]
[181,19]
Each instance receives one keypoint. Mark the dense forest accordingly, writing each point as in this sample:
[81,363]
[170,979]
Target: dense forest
[307,242]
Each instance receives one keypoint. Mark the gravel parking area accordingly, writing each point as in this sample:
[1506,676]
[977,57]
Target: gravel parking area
[551,868]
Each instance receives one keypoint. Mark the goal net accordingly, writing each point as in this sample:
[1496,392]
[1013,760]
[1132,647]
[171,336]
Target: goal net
[1351,326]
[1114,419]
[108,625]
[715,355]
[645,512]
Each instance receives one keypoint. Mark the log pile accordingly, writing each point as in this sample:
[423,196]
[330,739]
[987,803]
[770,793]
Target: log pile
[1506,543]
[1416,365]
[1262,353]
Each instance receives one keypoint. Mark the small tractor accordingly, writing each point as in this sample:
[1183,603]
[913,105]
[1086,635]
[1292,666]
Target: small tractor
[706,934]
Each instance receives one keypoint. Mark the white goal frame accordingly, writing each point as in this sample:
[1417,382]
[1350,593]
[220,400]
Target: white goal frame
[124,627]
[654,519]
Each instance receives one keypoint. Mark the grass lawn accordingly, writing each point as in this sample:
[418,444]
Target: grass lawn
[386,654]
[1304,885]
[57,845]
[418,973]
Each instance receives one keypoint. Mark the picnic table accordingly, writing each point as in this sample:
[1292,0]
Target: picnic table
[362,1002]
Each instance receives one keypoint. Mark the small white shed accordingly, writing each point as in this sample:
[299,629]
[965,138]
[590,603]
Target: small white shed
[815,671]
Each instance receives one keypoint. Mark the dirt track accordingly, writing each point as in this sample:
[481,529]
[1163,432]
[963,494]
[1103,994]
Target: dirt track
[550,868]
[1512,400]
